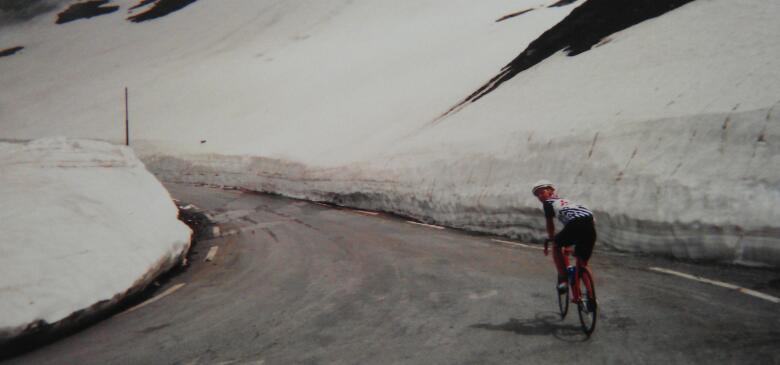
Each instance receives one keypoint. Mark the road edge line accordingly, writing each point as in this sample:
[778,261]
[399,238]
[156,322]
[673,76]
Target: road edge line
[516,244]
[425,225]
[740,289]
[164,294]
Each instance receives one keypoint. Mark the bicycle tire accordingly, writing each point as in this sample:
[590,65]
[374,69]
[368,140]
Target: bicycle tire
[563,302]
[587,307]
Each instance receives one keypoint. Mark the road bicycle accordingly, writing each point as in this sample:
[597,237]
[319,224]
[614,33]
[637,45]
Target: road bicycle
[582,291]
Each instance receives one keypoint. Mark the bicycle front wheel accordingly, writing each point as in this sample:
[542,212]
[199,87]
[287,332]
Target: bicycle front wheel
[587,306]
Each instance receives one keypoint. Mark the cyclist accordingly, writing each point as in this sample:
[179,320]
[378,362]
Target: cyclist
[578,229]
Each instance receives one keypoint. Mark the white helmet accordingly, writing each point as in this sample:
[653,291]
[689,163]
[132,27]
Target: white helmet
[541,184]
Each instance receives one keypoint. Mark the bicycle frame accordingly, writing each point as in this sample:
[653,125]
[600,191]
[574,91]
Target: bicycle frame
[586,307]
[576,295]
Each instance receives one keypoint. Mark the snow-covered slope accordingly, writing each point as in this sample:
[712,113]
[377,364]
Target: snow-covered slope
[667,129]
[83,225]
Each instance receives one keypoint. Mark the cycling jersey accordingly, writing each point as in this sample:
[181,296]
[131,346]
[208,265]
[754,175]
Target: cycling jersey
[565,210]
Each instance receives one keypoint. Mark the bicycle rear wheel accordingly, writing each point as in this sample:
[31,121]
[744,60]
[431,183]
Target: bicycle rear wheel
[587,307]
[563,302]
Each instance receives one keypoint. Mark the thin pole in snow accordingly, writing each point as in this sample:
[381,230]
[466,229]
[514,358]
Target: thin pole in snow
[127,121]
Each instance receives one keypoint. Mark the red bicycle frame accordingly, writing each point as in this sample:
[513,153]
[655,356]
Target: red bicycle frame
[576,295]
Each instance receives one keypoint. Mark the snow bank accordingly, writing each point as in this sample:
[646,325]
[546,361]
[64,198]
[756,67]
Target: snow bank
[699,187]
[83,224]
[667,129]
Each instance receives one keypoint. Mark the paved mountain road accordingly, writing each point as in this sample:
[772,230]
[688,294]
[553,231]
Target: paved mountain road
[307,284]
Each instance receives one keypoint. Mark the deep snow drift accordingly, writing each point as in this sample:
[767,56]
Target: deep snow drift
[83,224]
[667,129]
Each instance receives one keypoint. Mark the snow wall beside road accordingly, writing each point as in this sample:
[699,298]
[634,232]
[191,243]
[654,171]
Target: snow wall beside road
[666,128]
[701,187]
[84,225]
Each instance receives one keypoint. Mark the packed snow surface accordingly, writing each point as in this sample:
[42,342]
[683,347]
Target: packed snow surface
[669,130]
[83,224]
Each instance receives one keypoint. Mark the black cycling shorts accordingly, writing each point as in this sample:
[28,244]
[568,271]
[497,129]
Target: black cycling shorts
[581,233]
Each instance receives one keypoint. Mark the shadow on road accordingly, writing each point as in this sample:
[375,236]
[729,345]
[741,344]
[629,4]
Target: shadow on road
[543,324]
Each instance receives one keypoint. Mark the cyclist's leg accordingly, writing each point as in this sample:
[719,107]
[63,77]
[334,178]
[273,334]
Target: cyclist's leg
[584,248]
[566,237]
[561,260]
[586,239]
[562,239]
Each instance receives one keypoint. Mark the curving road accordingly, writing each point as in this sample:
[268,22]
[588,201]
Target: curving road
[308,284]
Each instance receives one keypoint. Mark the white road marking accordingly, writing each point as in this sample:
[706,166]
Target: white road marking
[364,212]
[212,253]
[759,295]
[517,244]
[425,225]
[229,362]
[322,204]
[485,295]
[230,232]
[718,283]
[231,215]
[164,294]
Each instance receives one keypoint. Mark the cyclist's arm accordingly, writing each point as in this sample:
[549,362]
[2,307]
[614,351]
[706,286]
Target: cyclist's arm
[550,233]
[549,214]
[550,229]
